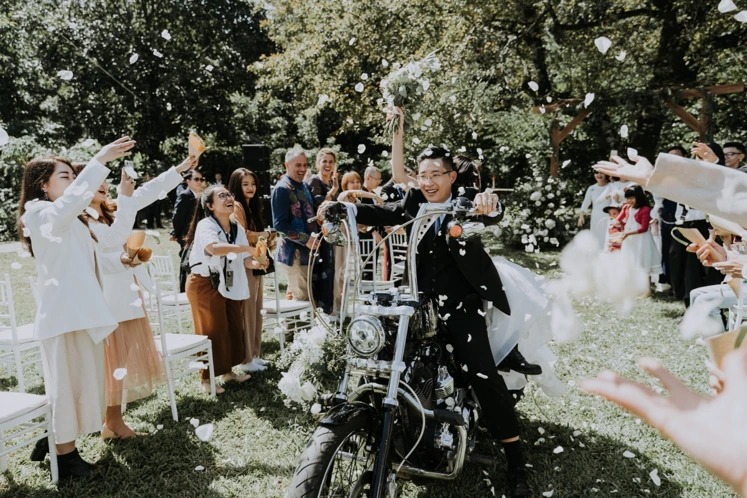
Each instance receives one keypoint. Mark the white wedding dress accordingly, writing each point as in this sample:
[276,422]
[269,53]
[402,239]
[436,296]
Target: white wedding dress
[528,325]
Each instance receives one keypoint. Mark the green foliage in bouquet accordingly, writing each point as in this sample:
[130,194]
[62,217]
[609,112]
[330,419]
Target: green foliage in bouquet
[540,214]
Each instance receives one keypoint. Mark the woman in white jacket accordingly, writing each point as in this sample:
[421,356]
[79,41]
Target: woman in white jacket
[132,363]
[73,317]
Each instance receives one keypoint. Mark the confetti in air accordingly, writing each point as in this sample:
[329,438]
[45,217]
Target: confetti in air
[165,35]
[588,99]
[725,6]
[134,58]
[119,373]
[533,85]
[65,75]
[624,131]
[4,138]
[361,149]
[359,87]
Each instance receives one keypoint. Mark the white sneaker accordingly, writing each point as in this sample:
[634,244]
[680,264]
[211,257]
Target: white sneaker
[259,361]
[252,367]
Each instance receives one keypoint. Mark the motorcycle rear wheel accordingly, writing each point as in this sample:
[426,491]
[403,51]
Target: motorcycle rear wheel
[336,463]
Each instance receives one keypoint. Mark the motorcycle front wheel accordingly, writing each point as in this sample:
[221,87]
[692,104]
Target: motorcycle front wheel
[336,463]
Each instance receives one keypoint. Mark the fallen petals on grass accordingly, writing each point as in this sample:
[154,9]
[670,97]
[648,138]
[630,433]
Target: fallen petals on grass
[204,432]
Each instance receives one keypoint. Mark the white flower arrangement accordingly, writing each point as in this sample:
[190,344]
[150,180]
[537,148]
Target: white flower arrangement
[406,83]
[313,365]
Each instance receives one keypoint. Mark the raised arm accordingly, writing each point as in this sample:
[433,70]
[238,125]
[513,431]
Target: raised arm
[399,175]
[158,187]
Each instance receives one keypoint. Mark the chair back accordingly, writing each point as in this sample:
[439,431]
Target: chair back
[8,308]
[397,254]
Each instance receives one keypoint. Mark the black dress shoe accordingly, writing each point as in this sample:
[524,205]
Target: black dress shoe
[515,361]
[518,487]
[72,466]
[40,450]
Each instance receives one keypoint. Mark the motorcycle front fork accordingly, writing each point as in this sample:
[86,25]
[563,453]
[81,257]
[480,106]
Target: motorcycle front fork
[382,464]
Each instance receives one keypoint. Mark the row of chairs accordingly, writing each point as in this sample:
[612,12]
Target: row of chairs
[182,353]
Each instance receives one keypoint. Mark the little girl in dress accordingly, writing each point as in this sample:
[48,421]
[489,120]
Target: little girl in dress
[637,242]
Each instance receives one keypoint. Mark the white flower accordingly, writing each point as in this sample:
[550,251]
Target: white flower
[204,432]
[134,58]
[535,196]
[603,44]
[65,75]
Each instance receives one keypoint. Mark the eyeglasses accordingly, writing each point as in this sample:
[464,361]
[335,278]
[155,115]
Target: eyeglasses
[225,195]
[434,177]
[201,180]
[731,154]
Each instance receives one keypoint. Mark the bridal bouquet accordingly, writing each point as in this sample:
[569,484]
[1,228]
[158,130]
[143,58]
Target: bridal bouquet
[405,84]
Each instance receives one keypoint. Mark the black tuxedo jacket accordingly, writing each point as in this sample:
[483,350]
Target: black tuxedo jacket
[446,266]
[183,211]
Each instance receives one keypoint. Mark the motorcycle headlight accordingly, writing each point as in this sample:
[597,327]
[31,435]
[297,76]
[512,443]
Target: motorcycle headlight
[366,335]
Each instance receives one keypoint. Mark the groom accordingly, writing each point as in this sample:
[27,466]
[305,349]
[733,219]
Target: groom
[463,273]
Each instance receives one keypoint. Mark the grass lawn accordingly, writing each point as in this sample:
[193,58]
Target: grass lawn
[257,440]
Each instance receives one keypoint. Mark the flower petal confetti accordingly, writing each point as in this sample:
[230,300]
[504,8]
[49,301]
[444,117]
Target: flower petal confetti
[548,494]
[588,99]
[632,153]
[654,475]
[624,131]
[119,373]
[195,422]
[558,450]
[4,138]
[533,85]
[197,365]
[316,409]
[51,281]
[204,432]
[628,454]
[134,58]
[200,468]
[621,55]
[65,75]
[742,16]
[16,265]
[603,44]
[166,35]
[725,6]
[359,87]
[361,148]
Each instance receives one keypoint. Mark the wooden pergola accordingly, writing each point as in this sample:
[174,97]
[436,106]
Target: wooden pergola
[700,124]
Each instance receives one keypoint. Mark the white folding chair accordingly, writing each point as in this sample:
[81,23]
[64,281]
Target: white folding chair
[18,349]
[175,303]
[180,352]
[737,312]
[285,315]
[24,420]
[397,254]
[369,266]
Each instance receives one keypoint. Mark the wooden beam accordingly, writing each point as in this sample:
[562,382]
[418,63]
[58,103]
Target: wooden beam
[688,118]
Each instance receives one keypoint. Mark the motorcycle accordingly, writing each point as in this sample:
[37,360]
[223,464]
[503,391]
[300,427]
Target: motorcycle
[402,411]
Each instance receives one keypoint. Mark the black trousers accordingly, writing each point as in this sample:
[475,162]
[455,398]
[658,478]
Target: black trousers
[686,272]
[467,332]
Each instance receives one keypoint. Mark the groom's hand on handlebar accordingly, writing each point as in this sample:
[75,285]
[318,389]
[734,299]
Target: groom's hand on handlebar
[485,203]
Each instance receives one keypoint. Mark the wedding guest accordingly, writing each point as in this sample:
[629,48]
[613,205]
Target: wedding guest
[734,154]
[247,212]
[614,229]
[183,212]
[292,207]
[324,184]
[73,318]
[637,241]
[708,428]
[130,348]
[597,201]
[217,284]
[371,179]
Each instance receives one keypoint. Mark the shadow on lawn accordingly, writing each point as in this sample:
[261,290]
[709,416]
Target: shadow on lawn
[574,472]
